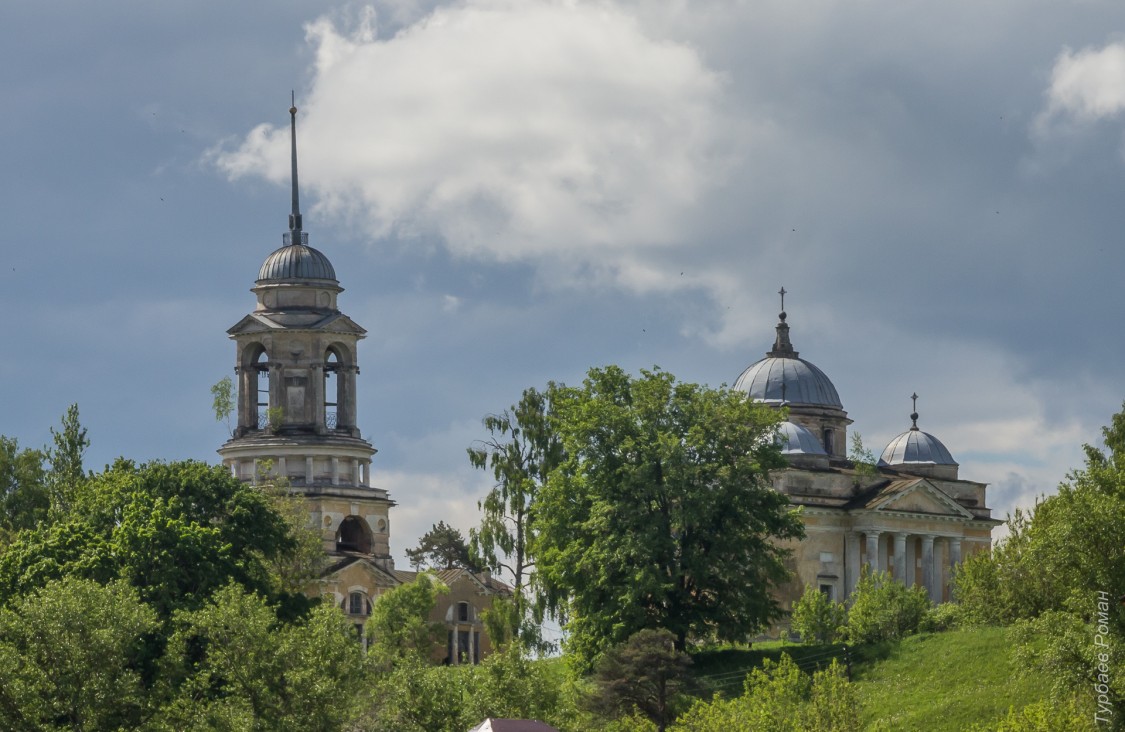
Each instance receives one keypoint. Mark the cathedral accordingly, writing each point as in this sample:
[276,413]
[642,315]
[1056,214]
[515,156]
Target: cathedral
[911,515]
[296,364]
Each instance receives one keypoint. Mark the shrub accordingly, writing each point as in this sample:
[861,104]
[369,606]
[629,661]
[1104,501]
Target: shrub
[945,616]
[818,619]
[780,698]
[884,609]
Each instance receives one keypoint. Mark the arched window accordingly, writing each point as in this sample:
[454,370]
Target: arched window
[462,612]
[358,604]
[262,388]
[331,389]
[828,441]
[353,536]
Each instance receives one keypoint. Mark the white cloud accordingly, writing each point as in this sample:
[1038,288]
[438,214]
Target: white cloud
[517,131]
[1086,86]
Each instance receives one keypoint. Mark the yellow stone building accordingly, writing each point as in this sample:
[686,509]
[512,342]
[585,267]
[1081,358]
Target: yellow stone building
[297,365]
[912,516]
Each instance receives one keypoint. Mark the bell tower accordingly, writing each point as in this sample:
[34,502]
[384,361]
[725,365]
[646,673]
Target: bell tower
[296,362]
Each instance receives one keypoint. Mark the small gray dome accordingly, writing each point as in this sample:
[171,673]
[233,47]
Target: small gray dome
[803,382]
[797,440]
[915,447]
[297,262]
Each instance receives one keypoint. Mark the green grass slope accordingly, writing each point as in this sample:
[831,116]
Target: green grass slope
[942,681]
[930,682]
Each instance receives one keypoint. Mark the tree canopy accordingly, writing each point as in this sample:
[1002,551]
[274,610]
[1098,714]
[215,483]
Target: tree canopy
[521,452]
[661,514]
[1058,575]
[175,531]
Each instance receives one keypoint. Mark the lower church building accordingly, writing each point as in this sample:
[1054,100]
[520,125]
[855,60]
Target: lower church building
[911,515]
[297,367]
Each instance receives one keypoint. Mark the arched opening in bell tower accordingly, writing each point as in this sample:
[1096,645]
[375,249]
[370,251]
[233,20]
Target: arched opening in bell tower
[262,387]
[353,536]
[332,389]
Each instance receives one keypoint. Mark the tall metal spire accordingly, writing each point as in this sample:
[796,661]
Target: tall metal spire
[296,235]
[782,347]
[914,415]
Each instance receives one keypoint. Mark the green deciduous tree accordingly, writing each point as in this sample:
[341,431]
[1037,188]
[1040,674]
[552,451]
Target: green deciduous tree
[521,452]
[222,401]
[175,531]
[1058,574]
[71,655]
[862,459]
[884,609]
[645,673]
[24,499]
[817,618]
[400,626]
[236,666]
[442,547]
[780,698]
[661,514]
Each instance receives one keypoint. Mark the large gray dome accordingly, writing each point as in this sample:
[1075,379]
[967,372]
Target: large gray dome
[297,262]
[783,377]
[789,379]
[793,439]
[915,447]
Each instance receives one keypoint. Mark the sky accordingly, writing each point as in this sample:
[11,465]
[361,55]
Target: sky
[514,191]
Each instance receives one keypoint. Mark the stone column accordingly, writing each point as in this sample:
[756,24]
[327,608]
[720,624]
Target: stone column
[954,552]
[851,568]
[310,474]
[928,565]
[872,551]
[456,647]
[318,396]
[335,470]
[345,407]
[900,557]
[472,646]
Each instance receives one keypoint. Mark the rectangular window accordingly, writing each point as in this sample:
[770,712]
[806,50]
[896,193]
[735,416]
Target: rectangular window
[828,591]
[463,612]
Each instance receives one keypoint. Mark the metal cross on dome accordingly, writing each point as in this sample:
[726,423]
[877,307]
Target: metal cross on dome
[782,293]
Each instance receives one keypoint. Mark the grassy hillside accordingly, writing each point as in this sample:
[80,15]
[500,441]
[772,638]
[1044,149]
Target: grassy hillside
[929,682]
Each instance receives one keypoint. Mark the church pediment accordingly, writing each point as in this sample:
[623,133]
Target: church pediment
[359,571]
[340,323]
[917,496]
[252,324]
[263,323]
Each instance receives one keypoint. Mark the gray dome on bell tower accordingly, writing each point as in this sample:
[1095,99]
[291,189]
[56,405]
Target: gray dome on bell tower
[297,262]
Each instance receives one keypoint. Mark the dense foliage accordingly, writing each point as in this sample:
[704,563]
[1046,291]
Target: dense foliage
[521,451]
[1057,579]
[175,531]
[817,618]
[884,609]
[661,514]
[781,698]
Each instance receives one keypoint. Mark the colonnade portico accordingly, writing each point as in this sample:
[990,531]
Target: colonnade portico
[903,554]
